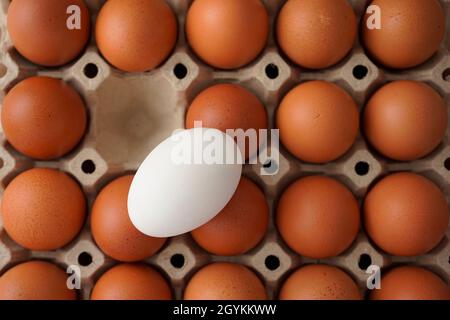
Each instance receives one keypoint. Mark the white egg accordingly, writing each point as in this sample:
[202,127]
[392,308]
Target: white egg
[184,182]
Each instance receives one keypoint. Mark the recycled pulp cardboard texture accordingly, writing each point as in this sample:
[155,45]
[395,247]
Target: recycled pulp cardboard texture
[131,113]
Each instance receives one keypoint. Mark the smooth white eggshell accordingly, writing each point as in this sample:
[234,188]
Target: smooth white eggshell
[169,196]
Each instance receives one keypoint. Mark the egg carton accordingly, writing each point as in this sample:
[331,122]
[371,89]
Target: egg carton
[130,114]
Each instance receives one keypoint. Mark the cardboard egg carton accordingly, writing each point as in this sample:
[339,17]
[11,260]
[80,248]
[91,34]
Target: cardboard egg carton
[129,114]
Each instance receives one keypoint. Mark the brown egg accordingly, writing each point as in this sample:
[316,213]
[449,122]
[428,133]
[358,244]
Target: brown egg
[35,280]
[411,283]
[320,282]
[43,209]
[318,217]
[240,226]
[411,32]
[406,214]
[225,281]
[318,121]
[316,34]
[227,34]
[112,228]
[39,30]
[228,106]
[136,35]
[405,120]
[131,282]
[43,118]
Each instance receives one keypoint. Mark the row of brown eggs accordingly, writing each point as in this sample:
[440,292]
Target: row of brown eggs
[44,209]
[45,118]
[137,35]
[39,280]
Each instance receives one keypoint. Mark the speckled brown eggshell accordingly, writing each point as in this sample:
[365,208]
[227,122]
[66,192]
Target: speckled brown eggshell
[38,29]
[316,34]
[225,281]
[228,106]
[406,214]
[35,280]
[227,34]
[318,217]
[319,282]
[240,226]
[411,32]
[43,118]
[131,282]
[136,35]
[318,121]
[411,283]
[112,228]
[405,120]
[43,209]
